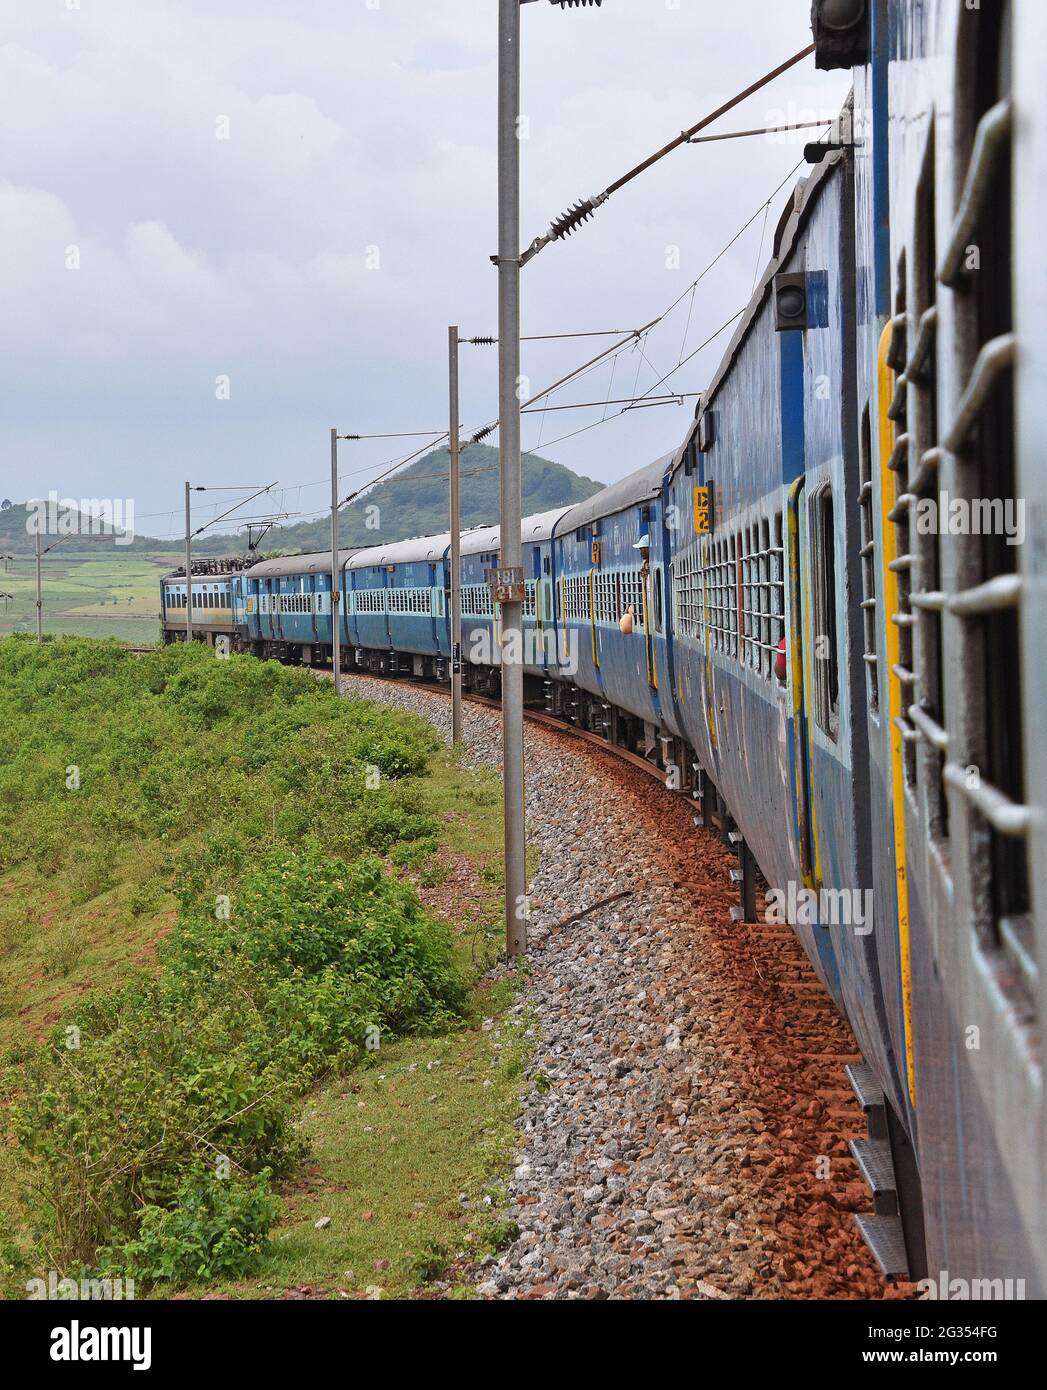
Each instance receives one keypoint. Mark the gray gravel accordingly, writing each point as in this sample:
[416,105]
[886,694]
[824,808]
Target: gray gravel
[622,1186]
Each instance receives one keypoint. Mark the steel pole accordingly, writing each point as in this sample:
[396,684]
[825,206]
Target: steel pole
[511,551]
[39,586]
[188,570]
[456,540]
[336,586]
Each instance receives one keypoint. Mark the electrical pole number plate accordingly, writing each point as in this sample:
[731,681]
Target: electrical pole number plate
[506,585]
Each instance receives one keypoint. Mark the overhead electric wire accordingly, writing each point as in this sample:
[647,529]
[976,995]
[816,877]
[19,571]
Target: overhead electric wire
[242,503]
[679,396]
[594,423]
[551,337]
[564,225]
[760,130]
[634,339]
[634,336]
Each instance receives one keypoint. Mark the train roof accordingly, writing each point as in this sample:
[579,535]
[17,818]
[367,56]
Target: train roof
[805,196]
[475,541]
[403,552]
[626,492]
[314,563]
[538,527]
[479,539]
[795,217]
[542,525]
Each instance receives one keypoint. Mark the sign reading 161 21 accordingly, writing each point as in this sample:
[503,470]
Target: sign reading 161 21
[506,584]
[702,511]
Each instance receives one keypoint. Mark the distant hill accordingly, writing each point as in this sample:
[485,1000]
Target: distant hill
[78,531]
[412,503]
[415,502]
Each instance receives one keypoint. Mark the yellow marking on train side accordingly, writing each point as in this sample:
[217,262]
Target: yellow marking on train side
[889,578]
[648,637]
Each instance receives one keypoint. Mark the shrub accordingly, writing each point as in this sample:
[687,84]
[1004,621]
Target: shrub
[218,1229]
[91,874]
[232,769]
[208,1056]
[144,898]
[64,949]
[430,1263]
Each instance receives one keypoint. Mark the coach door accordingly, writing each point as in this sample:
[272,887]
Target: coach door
[437,608]
[799,675]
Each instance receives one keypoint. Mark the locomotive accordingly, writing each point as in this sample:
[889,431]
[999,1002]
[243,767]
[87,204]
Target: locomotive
[816,616]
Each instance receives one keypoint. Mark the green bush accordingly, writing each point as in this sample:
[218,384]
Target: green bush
[233,767]
[64,949]
[319,958]
[217,1230]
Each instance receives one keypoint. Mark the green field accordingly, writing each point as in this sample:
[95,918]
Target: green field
[187,1089]
[115,595]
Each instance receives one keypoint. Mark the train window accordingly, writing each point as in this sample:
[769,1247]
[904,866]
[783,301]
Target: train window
[777,586]
[826,645]
[476,600]
[733,586]
[761,595]
[925,597]
[722,586]
[712,589]
[686,572]
[605,593]
[899,518]
[632,593]
[659,623]
[981,440]
[763,576]
[749,601]
[870,654]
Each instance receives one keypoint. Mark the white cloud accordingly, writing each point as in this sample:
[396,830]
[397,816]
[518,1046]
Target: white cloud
[349,128]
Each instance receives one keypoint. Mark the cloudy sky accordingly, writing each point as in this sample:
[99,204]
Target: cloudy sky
[298,197]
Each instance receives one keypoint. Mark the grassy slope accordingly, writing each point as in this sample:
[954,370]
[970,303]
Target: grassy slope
[392,1144]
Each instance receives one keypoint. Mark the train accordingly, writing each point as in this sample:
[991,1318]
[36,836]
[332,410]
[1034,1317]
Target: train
[821,616]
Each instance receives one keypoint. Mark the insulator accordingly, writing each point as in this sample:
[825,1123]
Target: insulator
[482,434]
[565,225]
[483,342]
[571,3]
